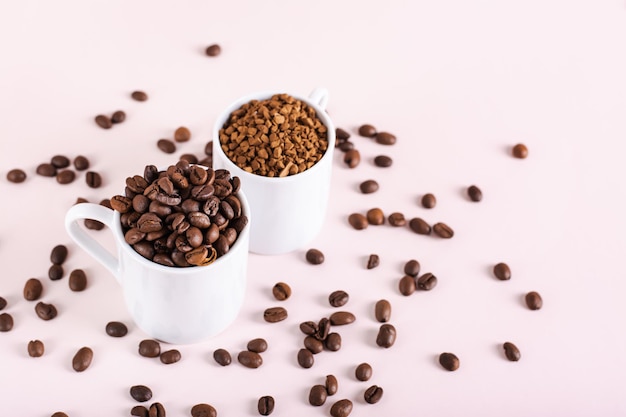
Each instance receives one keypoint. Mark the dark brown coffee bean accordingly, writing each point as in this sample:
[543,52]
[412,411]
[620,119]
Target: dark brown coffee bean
[46,170]
[331,384]
[65,176]
[345,146]
[78,280]
[182,134]
[140,393]
[340,318]
[82,359]
[121,203]
[33,289]
[375,217]
[341,134]
[118,117]
[103,121]
[338,298]
[281,291]
[386,336]
[317,395]
[333,342]
[58,255]
[520,151]
[363,371]
[60,414]
[16,176]
[367,131]
[116,329]
[373,394]
[511,352]
[323,327]
[373,261]
[213,50]
[407,285]
[357,221]
[449,361]
[139,95]
[412,268]
[170,356]
[427,282]
[305,358]
[419,226]
[352,158]
[81,163]
[385,138]
[166,145]
[308,327]
[314,256]
[156,410]
[533,300]
[45,311]
[35,348]
[149,348]
[341,408]
[6,322]
[274,314]
[397,219]
[502,271]
[250,359]
[149,222]
[60,161]
[265,405]
[55,272]
[443,230]
[429,201]
[313,344]
[222,357]
[203,410]
[93,179]
[382,311]
[3,303]
[139,411]
[383,161]
[474,193]
[368,186]
[258,345]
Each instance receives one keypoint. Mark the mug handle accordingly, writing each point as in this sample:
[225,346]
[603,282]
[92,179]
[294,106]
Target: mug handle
[89,244]
[319,96]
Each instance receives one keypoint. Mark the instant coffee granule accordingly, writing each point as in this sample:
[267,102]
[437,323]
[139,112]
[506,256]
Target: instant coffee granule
[276,137]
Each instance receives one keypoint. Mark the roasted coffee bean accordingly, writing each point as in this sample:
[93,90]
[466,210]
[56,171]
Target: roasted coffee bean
[313,344]
[78,280]
[6,322]
[58,255]
[373,261]
[429,201]
[338,298]
[103,121]
[274,314]
[341,408]
[352,158]
[118,117]
[367,131]
[345,146]
[32,289]
[373,394]
[382,311]
[149,348]
[331,384]
[443,230]
[427,282]
[323,327]
[407,285]
[45,311]
[46,170]
[265,405]
[213,50]
[341,134]
[3,303]
[198,175]
[314,256]
[16,176]
[65,176]
[156,410]
[116,329]
[203,410]
[60,161]
[55,272]
[520,151]
[363,371]
[281,291]
[139,95]
[166,145]
[140,393]
[139,411]
[474,193]
[368,186]
[305,358]
[59,414]
[81,163]
[340,318]
[182,134]
[250,359]
[397,219]
[412,268]
[93,179]
[533,300]
[449,361]
[375,217]
[82,359]
[222,357]
[170,356]
[258,345]
[149,222]
[333,342]
[121,203]
[383,161]
[386,335]
[140,203]
[317,395]
[419,226]
[35,348]
[308,327]
[502,271]
[511,352]
[357,221]
[385,138]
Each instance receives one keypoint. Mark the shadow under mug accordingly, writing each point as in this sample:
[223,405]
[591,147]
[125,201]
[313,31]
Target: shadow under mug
[171,304]
[288,211]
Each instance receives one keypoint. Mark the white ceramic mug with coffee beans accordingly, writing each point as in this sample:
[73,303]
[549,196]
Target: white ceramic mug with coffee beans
[289,211]
[173,304]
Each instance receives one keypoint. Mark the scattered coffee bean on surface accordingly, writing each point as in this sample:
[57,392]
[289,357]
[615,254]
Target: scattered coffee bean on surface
[331,384]
[397,219]
[323,327]
[222,357]
[429,201]
[407,285]
[93,179]
[412,268]
[419,226]
[104,121]
[6,322]
[341,134]
[534,300]
[383,161]
[116,329]
[203,410]
[313,344]
[35,348]
[502,271]
[308,327]
[213,50]
[305,358]
[274,314]
[281,291]
[373,261]
[375,217]
[338,298]
[139,411]
[373,394]
[149,348]
[317,395]
[357,221]
[118,117]
[60,161]
[341,408]
[65,176]
[449,361]
[341,318]
[443,230]
[474,193]
[82,359]
[78,280]
[314,256]
[141,393]
[58,255]
[511,352]
[32,289]
[426,282]
[385,138]
[265,405]
[250,359]
[139,95]
[386,336]
[258,345]
[170,356]
[16,176]
[520,151]
[166,145]
[81,163]
[3,303]
[332,342]
[368,186]
[382,311]
[156,410]
[59,414]
[367,131]
[46,170]
[345,146]
[363,371]
[45,311]
[352,158]
[182,134]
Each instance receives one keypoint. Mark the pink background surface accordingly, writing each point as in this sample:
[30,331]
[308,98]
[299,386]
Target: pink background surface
[458,82]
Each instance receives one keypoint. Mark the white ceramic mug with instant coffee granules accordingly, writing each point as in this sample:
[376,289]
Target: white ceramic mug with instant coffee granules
[172,304]
[288,211]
